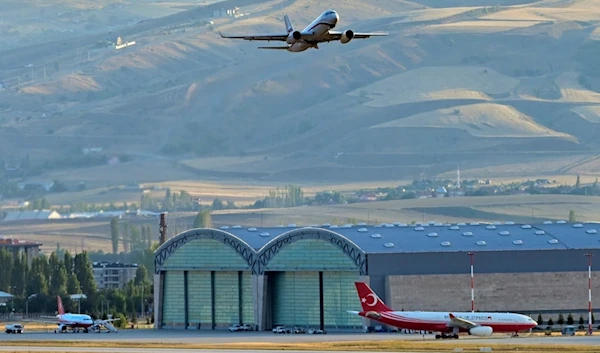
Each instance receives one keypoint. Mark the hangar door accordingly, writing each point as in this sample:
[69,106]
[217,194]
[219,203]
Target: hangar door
[295,298]
[339,296]
[313,299]
[207,299]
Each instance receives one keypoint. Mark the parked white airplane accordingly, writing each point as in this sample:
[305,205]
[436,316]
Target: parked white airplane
[318,31]
[76,321]
[448,324]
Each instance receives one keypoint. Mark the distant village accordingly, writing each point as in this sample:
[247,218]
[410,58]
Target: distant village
[34,207]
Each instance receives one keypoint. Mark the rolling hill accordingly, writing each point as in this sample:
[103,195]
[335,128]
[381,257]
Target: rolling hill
[482,84]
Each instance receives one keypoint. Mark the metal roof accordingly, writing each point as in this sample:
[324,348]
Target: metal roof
[443,237]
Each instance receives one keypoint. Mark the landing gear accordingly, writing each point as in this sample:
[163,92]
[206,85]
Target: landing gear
[445,336]
[515,334]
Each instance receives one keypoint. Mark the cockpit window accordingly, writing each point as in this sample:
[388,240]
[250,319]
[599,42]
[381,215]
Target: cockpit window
[328,13]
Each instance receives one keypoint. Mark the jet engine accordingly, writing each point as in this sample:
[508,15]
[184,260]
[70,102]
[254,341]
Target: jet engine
[293,37]
[347,36]
[481,331]
[373,315]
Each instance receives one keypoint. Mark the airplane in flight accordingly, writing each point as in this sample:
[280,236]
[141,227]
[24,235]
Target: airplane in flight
[318,31]
[76,321]
[447,324]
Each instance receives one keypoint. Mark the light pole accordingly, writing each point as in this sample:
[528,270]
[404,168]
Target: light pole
[589,256]
[472,283]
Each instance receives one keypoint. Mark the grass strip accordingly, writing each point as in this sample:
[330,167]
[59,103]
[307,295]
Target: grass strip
[372,346]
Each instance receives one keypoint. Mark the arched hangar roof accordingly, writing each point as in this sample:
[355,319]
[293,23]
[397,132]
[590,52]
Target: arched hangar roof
[258,257]
[259,245]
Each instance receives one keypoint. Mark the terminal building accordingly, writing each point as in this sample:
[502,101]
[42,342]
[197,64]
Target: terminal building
[304,276]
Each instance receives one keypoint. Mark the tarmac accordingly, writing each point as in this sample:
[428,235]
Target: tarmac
[174,337]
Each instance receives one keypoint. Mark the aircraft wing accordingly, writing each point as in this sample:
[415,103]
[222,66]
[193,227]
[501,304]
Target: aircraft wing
[267,37]
[334,35]
[466,324]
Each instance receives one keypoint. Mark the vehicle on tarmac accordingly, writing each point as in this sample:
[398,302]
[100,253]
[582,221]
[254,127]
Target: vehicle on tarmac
[14,328]
[238,327]
[281,329]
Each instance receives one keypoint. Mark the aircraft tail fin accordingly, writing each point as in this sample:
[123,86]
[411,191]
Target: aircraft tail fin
[288,24]
[368,299]
[61,308]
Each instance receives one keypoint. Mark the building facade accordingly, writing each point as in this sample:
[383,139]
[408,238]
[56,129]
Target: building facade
[113,275]
[16,246]
[304,276]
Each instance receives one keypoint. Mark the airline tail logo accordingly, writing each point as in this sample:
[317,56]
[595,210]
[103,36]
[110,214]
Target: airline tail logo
[288,24]
[368,299]
[61,308]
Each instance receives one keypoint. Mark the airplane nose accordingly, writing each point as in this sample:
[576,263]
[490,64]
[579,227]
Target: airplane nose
[337,17]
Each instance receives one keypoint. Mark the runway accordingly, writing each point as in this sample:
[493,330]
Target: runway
[175,337]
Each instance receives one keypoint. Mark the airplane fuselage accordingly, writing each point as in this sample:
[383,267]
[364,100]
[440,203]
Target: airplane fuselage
[75,320]
[439,321]
[316,30]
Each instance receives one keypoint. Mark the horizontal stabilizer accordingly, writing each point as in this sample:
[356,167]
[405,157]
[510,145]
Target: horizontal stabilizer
[275,48]
[352,312]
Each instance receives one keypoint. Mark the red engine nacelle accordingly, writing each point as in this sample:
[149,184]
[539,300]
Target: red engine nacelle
[347,36]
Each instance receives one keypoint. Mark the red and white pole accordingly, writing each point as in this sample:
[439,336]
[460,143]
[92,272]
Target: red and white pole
[589,256]
[472,284]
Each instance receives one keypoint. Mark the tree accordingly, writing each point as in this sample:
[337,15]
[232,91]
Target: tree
[58,276]
[217,204]
[203,220]
[68,261]
[561,319]
[38,284]
[577,182]
[540,320]
[572,218]
[85,274]
[550,322]
[198,221]
[125,232]
[6,264]
[19,273]
[73,285]
[581,321]
[141,276]
[570,320]
[114,234]
[135,238]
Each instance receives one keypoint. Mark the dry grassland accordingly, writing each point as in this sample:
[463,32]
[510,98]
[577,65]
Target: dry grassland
[435,83]
[590,113]
[489,208]
[484,120]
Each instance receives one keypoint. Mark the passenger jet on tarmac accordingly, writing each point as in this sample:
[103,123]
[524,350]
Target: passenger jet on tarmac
[76,321]
[448,324]
[318,31]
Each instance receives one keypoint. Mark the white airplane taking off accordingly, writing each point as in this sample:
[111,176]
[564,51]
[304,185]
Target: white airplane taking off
[318,31]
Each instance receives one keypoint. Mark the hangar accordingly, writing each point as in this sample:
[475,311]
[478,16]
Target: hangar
[304,276]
